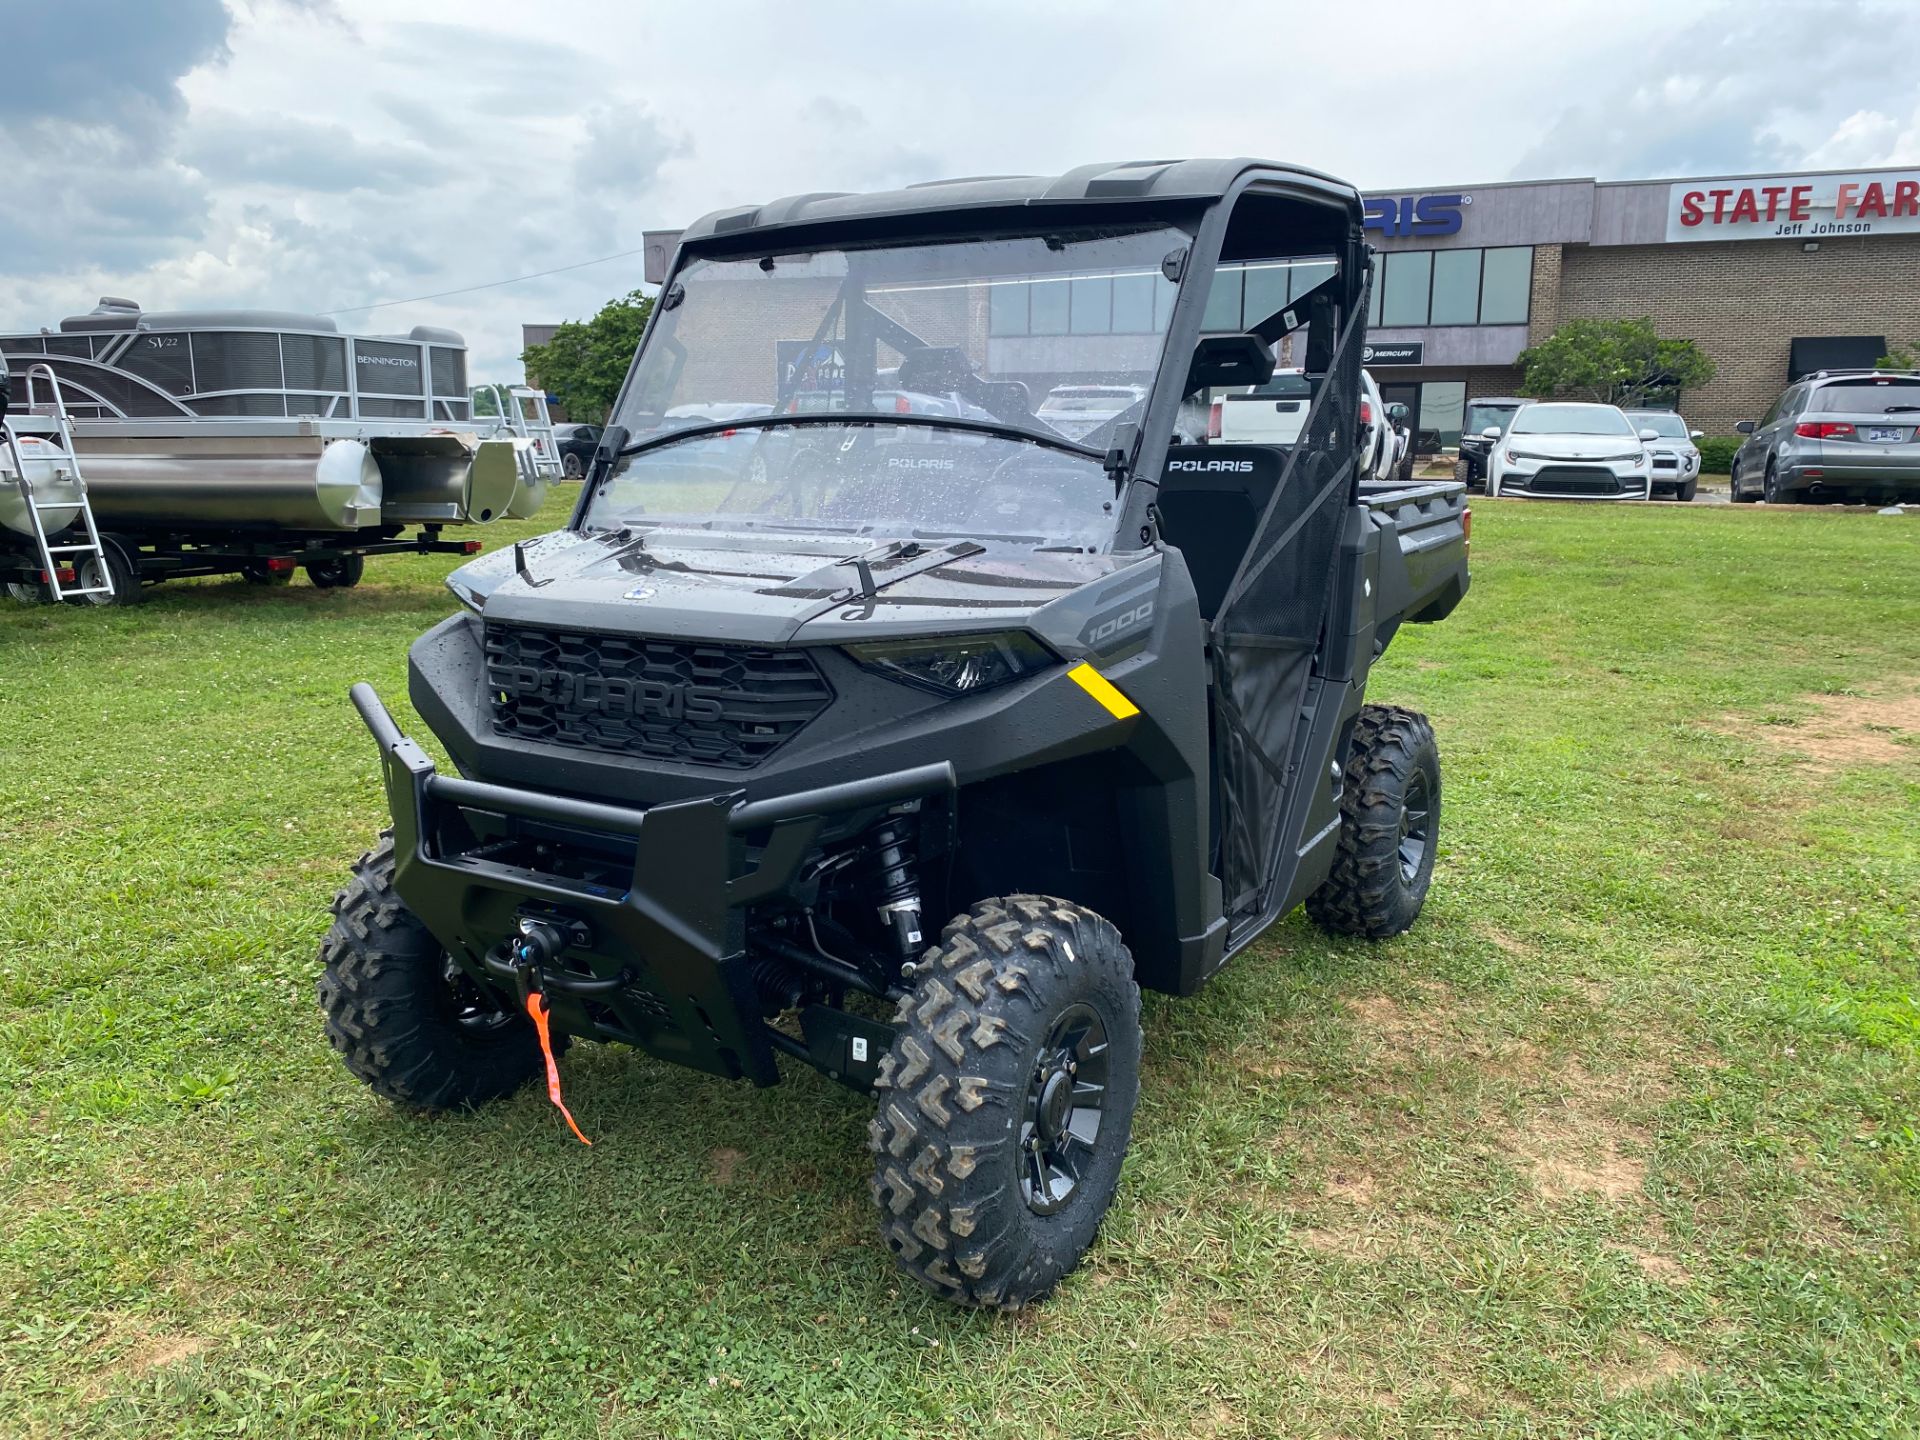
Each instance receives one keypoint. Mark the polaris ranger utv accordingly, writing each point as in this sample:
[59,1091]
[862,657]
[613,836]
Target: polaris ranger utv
[843,639]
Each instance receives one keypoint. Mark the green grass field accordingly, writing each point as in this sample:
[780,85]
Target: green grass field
[1621,1140]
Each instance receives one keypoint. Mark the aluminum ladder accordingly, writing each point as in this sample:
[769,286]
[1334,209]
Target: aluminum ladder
[50,553]
[521,413]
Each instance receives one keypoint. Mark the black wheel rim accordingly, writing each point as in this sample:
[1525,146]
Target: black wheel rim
[1065,1104]
[469,1005]
[1416,826]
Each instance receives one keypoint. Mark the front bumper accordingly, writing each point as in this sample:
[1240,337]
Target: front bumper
[1573,480]
[655,897]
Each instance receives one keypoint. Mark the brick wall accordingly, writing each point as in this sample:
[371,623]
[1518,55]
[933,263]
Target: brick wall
[1543,312]
[1743,301]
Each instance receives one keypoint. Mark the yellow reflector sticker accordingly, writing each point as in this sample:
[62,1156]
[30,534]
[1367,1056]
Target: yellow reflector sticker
[1102,689]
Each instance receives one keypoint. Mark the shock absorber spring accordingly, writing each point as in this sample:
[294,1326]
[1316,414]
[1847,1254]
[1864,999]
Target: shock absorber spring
[893,860]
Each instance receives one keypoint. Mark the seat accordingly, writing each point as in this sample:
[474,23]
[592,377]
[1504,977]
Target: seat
[1211,500]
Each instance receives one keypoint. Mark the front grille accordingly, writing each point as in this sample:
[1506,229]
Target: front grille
[1666,462]
[725,705]
[1573,480]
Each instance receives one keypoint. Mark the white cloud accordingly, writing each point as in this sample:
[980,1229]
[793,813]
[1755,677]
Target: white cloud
[337,152]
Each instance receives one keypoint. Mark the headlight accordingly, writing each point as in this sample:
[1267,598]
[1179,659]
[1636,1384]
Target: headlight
[956,664]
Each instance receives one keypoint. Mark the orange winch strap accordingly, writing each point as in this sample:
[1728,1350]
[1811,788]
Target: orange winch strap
[537,1008]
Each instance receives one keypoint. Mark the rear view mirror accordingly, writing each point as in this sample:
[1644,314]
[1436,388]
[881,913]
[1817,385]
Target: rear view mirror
[1492,432]
[1745,427]
[1649,434]
[1238,359]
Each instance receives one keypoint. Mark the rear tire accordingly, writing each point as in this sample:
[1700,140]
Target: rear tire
[341,573]
[1006,1100]
[1770,490]
[1389,827]
[570,466]
[404,1018]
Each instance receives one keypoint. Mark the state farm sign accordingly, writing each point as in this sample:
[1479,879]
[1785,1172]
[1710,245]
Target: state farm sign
[1794,207]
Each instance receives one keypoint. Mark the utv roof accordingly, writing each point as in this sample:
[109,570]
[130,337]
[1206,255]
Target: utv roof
[1131,181]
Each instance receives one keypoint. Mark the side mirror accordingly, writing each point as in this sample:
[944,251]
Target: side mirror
[1696,434]
[1649,434]
[1745,427]
[1492,432]
[1397,413]
[1220,360]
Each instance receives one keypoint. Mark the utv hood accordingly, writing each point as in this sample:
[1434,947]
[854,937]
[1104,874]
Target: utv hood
[766,588]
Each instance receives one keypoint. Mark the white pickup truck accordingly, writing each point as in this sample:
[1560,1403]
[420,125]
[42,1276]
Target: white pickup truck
[1273,413]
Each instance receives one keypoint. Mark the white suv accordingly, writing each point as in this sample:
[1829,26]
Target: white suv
[1567,451]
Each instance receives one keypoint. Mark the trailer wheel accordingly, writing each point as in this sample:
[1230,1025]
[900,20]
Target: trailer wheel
[30,592]
[1389,825]
[259,572]
[403,1016]
[1006,1100]
[340,573]
[120,574]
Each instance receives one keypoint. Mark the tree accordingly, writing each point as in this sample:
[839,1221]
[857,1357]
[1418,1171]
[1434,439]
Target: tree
[1613,362]
[1900,357]
[586,361]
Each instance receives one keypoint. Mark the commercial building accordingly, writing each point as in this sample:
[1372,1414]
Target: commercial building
[1772,276]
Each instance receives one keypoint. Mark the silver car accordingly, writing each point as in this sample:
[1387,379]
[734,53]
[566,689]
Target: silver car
[1834,435]
[1676,459]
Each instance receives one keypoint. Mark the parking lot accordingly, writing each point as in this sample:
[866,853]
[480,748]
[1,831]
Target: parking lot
[1620,1139]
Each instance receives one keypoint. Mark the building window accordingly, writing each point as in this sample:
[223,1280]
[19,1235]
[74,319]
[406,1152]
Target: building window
[1007,309]
[1456,288]
[1506,286]
[1409,284]
[1133,304]
[1048,305]
[1413,288]
[1092,305]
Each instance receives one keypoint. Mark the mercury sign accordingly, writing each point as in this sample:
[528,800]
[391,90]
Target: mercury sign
[1794,207]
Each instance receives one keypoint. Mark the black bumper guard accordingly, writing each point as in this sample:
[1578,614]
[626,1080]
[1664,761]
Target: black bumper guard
[666,954]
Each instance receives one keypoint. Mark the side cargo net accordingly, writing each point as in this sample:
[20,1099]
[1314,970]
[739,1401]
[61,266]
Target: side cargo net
[1267,628]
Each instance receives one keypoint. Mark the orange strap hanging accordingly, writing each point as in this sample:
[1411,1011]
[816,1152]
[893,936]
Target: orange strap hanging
[537,1008]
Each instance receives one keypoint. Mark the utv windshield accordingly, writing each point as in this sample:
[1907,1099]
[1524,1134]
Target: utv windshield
[821,354]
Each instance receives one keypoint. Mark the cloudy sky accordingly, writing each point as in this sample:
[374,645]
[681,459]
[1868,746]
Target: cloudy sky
[327,154]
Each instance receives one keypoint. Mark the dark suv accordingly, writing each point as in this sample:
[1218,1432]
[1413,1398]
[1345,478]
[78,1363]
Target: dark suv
[1493,413]
[1834,435]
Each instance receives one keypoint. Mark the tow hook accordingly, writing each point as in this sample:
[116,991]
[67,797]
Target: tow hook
[540,943]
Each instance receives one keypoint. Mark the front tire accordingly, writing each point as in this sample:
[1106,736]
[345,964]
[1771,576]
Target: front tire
[403,1016]
[1389,827]
[1006,1100]
[1686,491]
